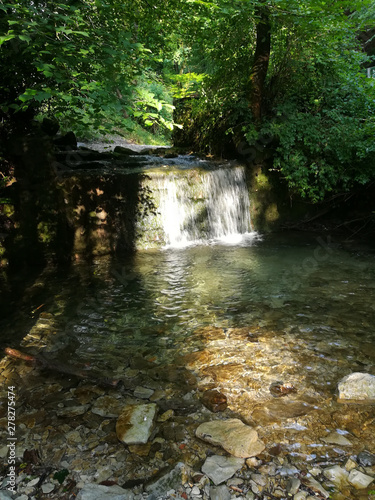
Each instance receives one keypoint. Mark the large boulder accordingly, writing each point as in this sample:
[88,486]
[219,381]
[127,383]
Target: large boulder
[357,387]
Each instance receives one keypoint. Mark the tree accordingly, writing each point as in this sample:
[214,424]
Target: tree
[291,70]
[78,60]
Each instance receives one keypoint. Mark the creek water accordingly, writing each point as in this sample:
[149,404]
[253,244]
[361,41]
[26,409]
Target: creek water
[291,308]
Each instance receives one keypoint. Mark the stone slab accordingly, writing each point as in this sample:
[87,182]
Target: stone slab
[135,424]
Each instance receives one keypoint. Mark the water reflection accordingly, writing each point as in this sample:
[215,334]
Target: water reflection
[239,318]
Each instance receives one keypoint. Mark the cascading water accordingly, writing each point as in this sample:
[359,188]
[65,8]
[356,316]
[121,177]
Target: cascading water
[198,205]
[228,204]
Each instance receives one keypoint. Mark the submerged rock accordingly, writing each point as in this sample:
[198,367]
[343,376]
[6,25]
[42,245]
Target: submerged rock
[366,458]
[143,392]
[134,425]
[357,387]
[220,493]
[279,389]
[336,438]
[219,468]
[337,475]
[172,480]
[233,435]
[100,492]
[359,480]
[214,401]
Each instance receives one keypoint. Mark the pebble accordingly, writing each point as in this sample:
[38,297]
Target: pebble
[47,488]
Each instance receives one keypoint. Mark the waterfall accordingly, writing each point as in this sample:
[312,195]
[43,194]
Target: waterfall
[197,205]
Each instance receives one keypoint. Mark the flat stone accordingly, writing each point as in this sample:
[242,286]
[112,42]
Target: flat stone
[233,435]
[219,493]
[172,480]
[4,495]
[134,425]
[337,475]
[219,468]
[293,486]
[357,387]
[359,480]
[143,392]
[107,406]
[313,484]
[335,438]
[100,492]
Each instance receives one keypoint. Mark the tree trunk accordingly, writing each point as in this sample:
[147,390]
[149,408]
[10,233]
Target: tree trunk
[261,60]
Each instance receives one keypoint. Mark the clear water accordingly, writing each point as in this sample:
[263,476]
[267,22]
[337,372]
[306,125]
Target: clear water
[285,308]
[303,291]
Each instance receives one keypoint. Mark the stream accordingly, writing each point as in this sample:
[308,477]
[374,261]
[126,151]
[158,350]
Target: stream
[237,312]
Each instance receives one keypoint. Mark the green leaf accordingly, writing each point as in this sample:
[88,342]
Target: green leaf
[5,38]
[25,38]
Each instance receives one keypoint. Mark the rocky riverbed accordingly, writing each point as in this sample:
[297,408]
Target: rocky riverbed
[208,426]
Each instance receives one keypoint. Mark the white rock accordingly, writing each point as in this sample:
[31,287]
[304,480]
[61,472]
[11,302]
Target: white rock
[357,386]
[359,480]
[47,488]
[233,435]
[134,425]
[219,468]
[195,491]
[337,475]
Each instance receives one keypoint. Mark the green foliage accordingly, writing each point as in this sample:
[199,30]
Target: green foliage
[80,61]
[317,104]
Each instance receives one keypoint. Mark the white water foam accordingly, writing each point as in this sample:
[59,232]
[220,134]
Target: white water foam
[219,211]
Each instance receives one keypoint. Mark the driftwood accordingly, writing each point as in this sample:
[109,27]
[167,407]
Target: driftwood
[62,368]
